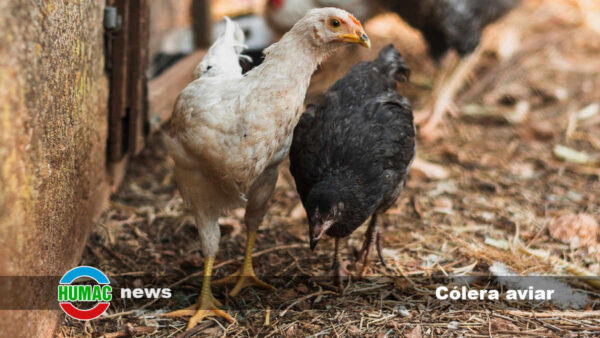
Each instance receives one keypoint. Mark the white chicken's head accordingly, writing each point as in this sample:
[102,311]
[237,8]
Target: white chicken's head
[333,26]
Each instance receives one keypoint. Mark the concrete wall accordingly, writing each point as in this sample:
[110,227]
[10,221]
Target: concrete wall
[53,120]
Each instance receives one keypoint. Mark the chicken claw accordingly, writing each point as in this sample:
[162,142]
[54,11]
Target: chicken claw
[242,279]
[245,276]
[199,311]
[206,306]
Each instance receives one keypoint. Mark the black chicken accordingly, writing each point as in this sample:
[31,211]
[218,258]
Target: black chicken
[351,152]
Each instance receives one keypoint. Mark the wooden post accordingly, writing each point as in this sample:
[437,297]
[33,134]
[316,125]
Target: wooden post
[137,82]
[118,86]
[202,23]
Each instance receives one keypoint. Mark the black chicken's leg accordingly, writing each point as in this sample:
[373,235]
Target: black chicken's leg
[336,269]
[371,238]
[380,246]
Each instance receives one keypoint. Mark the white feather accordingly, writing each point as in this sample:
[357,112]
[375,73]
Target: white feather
[223,56]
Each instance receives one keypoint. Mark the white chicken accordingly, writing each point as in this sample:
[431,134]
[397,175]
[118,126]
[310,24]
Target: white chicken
[229,132]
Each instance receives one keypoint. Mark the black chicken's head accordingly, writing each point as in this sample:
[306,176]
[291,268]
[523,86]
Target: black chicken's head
[324,208]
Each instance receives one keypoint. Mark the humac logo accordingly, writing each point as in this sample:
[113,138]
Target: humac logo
[99,293]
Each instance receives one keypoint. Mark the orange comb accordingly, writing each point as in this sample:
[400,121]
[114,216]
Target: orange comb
[354,20]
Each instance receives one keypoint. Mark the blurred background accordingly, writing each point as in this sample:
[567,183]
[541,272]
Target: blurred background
[507,174]
[508,177]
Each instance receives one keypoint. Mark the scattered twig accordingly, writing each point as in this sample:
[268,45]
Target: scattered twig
[301,299]
[593,279]
[130,331]
[554,314]
[237,259]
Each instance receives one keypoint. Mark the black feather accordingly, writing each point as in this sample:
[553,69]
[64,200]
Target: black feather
[390,62]
[356,145]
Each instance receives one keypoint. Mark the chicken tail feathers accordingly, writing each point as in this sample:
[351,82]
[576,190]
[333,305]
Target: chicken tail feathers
[392,64]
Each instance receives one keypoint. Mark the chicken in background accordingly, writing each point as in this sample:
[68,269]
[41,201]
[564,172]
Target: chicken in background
[449,25]
[445,25]
[223,57]
[180,42]
[352,151]
[229,133]
[258,37]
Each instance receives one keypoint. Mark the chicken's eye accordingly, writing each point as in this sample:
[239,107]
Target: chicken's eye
[335,23]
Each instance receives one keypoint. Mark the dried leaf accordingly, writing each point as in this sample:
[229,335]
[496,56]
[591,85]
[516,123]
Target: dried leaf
[482,113]
[576,230]
[289,294]
[414,333]
[353,330]
[429,170]
[509,43]
[497,243]
[302,288]
[443,205]
[588,112]
[522,170]
[498,324]
[572,155]
[543,130]
[520,113]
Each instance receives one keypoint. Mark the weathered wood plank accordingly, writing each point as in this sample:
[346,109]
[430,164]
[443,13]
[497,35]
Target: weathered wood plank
[202,23]
[118,85]
[139,15]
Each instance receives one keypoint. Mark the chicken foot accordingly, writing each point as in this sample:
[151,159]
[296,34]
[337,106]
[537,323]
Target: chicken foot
[258,201]
[245,276]
[206,306]
[373,237]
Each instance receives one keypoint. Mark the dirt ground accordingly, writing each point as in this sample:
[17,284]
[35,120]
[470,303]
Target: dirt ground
[513,179]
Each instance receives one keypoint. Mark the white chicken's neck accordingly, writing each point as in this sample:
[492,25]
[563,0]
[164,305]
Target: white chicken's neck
[291,61]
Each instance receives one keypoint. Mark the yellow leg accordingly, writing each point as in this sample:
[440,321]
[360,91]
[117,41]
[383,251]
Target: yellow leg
[206,305]
[245,276]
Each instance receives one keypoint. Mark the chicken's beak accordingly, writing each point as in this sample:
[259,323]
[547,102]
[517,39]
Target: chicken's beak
[359,37]
[317,231]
